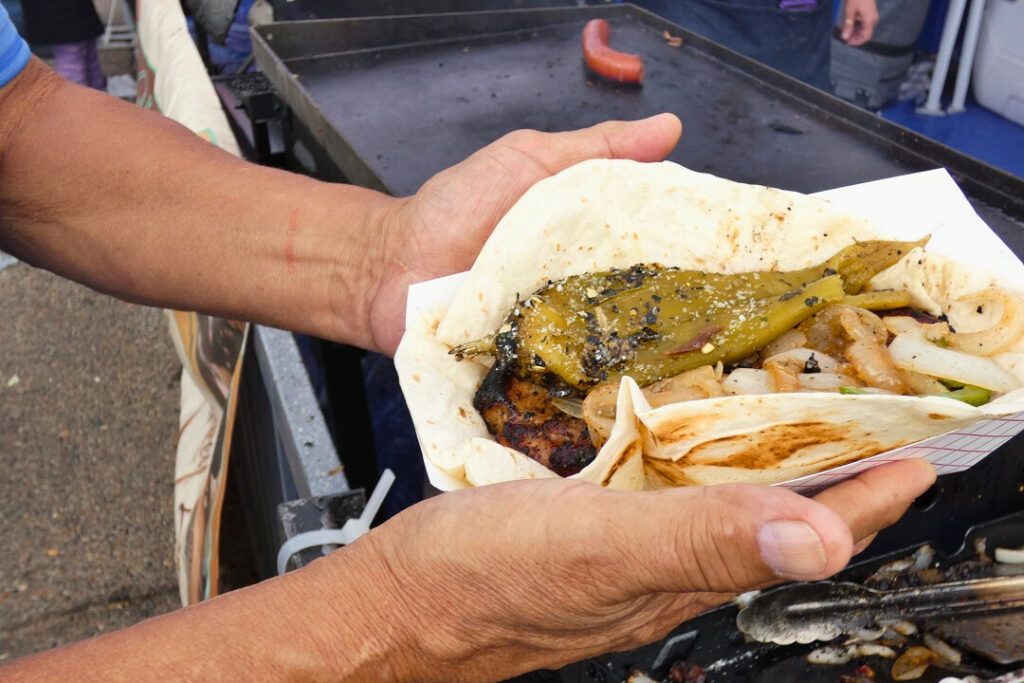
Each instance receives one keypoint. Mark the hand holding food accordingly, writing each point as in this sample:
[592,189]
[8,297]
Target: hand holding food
[759,335]
[440,229]
[540,574]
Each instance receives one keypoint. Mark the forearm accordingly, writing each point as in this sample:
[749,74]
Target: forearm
[148,211]
[332,621]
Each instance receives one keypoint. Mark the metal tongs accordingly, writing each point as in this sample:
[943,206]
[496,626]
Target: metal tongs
[805,612]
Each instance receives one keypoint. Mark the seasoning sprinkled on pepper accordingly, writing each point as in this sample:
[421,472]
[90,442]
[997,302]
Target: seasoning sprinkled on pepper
[650,321]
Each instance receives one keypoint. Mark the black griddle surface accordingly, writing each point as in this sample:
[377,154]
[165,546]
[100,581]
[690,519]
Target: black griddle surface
[712,641]
[394,100]
[411,111]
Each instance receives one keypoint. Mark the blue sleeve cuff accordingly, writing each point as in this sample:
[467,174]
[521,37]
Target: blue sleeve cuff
[14,51]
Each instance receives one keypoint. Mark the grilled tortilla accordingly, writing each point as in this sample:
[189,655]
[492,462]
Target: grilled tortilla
[602,214]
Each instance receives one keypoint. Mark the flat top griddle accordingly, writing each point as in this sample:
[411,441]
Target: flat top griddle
[394,100]
[390,101]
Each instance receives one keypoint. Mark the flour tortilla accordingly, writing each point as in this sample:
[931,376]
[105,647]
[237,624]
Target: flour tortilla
[615,213]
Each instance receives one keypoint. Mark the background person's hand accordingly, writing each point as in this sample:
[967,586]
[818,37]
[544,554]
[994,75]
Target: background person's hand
[859,19]
[489,582]
[440,229]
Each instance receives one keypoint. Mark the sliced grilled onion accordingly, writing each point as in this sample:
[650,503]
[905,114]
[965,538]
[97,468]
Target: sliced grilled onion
[743,381]
[862,325]
[823,331]
[912,664]
[783,377]
[875,365]
[910,352]
[570,406]
[867,634]
[693,384]
[677,395]
[903,324]
[1007,330]
[797,358]
[830,654]
[599,412]
[891,569]
[841,654]
[873,650]
[944,650]
[901,626]
[826,381]
[786,369]
[598,408]
[923,557]
[787,340]
[892,638]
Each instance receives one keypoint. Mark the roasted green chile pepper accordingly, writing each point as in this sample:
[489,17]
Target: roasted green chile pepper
[971,395]
[651,322]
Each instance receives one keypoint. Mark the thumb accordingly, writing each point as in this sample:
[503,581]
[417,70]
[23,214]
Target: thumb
[738,537]
[649,139]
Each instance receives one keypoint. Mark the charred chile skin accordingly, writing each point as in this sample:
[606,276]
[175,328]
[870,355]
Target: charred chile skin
[588,344]
[652,322]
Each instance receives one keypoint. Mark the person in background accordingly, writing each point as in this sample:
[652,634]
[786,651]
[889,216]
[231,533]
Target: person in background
[479,584]
[69,28]
[793,36]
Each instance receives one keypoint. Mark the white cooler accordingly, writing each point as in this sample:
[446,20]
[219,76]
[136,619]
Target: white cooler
[999,63]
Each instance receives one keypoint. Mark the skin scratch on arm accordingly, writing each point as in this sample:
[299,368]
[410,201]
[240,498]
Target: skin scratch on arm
[289,243]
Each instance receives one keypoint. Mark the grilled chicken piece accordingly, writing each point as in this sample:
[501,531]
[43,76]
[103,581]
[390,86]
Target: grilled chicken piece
[520,415]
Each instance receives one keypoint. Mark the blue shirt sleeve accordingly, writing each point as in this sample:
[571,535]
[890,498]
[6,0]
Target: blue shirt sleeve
[14,52]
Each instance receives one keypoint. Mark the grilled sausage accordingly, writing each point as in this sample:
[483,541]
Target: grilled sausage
[606,62]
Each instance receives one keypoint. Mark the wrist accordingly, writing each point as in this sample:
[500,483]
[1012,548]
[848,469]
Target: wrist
[352,233]
[396,248]
[369,632]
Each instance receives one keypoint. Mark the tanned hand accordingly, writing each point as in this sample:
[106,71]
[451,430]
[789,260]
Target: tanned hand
[440,229]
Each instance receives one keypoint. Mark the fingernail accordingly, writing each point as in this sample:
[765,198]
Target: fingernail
[793,549]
